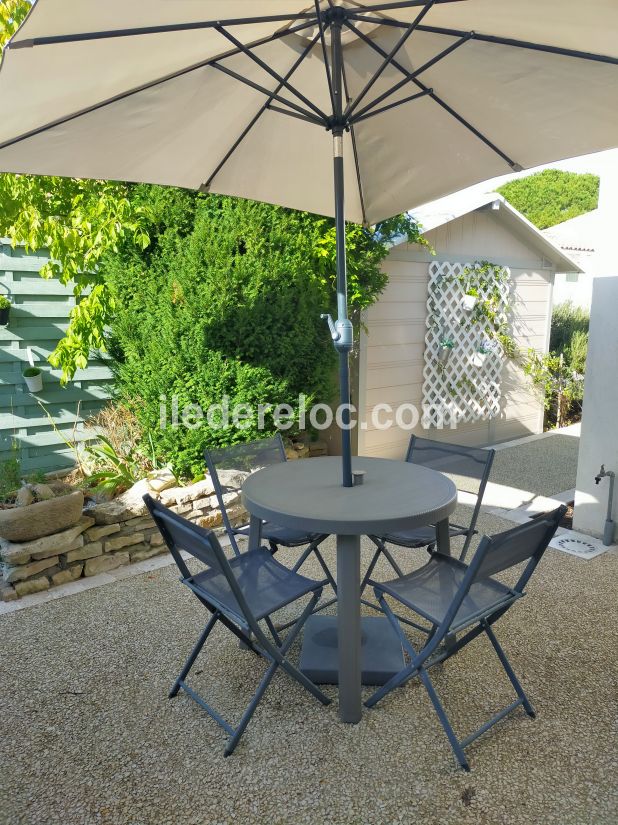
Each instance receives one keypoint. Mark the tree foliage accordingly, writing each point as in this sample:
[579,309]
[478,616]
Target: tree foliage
[77,221]
[225,301]
[552,196]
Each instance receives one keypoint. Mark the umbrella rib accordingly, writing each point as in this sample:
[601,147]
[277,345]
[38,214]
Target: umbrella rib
[325,54]
[163,29]
[256,117]
[307,118]
[246,51]
[359,179]
[514,165]
[386,62]
[267,92]
[402,4]
[383,109]
[411,76]
[143,87]
[490,38]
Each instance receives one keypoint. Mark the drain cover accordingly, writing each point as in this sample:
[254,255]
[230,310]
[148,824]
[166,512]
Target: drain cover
[577,546]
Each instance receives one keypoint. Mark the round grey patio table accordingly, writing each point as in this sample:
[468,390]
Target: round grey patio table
[308,495]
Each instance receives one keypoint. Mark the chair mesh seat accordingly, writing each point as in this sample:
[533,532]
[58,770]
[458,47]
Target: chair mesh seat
[266,585]
[421,536]
[279,535]
[431,590]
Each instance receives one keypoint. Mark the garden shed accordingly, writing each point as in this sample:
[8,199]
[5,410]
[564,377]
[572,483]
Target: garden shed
[422,312]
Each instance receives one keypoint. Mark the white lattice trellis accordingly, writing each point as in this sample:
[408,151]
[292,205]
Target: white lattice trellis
[466,387]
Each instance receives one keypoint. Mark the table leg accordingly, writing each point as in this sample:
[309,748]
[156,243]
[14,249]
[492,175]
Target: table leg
[255,532]
[349,628]
[443,545]
[443,537]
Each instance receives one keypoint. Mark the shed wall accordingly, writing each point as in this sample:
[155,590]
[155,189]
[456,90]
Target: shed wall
[392,347]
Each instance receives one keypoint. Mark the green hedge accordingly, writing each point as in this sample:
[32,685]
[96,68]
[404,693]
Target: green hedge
[226,301]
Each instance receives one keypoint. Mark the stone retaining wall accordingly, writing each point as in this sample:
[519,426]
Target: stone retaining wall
[112,534]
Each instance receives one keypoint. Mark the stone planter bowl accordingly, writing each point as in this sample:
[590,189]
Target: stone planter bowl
[42,518]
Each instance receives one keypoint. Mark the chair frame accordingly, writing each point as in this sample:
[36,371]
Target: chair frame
[244,625]
[431,654]
[312,540]
[454,529]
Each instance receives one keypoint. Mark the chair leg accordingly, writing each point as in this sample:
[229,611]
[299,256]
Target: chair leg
[273,631]
[371,567]
[454,741]
[509,671]
[194,654]
[251,707]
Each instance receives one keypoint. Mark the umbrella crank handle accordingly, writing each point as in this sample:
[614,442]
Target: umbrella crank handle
[341,331]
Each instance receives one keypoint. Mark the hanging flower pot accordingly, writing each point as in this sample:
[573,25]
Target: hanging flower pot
[468,302]
[5,310]
[33,378]
[445,348]
[485,349]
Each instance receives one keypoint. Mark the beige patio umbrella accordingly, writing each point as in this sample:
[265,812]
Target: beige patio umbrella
[414,99]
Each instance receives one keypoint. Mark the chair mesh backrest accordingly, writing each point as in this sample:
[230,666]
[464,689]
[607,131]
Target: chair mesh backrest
[248,457]
[467,466]
[505,550]
[181,534]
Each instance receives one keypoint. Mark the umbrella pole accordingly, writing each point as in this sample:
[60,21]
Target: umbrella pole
[343,335]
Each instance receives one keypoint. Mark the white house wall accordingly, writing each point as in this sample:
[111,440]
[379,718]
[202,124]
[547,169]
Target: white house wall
[392,346]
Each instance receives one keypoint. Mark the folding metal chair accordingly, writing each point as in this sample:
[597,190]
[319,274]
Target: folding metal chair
[468,466]
[453,597]
[239,593]
[247,458]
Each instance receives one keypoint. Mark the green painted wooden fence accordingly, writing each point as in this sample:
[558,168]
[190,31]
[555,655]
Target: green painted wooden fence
[39,316]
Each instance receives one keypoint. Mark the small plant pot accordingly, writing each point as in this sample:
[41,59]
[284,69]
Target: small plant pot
[34,382]
[444,353]
[468,302]
[479,358]
[4,316]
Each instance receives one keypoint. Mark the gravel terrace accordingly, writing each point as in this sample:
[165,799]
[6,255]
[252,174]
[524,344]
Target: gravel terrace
[89,736]
[545,466]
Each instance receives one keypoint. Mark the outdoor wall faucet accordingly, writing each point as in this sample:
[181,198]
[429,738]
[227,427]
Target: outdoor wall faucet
[608,531]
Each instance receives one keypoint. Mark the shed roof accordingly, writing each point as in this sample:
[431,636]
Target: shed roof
[437,213]
[577,234]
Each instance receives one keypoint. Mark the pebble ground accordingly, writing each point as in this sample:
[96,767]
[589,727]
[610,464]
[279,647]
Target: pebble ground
[88,736]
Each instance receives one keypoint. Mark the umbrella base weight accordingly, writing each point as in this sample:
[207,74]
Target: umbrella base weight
[381,651]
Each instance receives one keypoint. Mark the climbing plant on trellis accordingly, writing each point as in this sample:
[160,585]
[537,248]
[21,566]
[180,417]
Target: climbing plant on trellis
[466,342]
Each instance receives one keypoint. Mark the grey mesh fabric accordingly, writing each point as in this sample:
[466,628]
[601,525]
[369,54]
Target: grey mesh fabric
[464,465]
[421,536]
[250,456]
[265,584]
[430,591]
[286,536]
[512,547]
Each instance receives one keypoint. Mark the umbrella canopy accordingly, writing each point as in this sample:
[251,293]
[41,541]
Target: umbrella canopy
[239,97]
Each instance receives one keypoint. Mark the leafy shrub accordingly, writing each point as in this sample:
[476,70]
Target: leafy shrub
[561,372]
[566,320]
[5,302]
[226,301]
[552,196]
